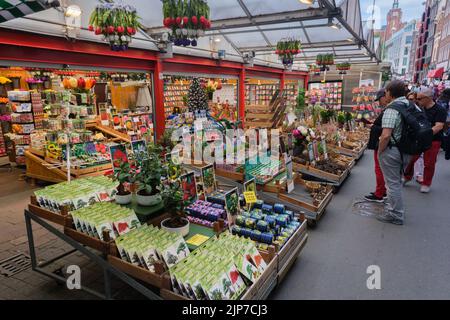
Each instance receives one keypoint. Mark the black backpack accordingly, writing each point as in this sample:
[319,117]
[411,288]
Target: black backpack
[417,135]
[375,133]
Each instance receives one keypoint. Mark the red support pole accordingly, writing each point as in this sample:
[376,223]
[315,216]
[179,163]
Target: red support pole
[282,78]
[242,76]
[160,117]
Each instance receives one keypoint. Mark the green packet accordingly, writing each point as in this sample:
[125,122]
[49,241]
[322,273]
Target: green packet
[247,269]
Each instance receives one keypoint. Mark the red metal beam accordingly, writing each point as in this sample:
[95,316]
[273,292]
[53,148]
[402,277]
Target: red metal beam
[160,117]
[32,40]
[241,94]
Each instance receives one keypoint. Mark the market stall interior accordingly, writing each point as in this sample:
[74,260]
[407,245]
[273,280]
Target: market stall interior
[102,136]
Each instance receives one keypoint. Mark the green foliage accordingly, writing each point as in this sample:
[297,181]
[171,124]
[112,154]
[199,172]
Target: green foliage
[123,175]
[172,195]
[151,170]
[341,119]
[106,15]
[326,115]
[184,8]
[300,101]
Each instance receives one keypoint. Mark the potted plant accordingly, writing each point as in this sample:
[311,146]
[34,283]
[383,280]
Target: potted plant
[149,177]
[172,195]
[123,175]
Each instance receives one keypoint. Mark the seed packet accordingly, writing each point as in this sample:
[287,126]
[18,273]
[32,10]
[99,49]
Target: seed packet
[236,280]
[248,270]
[255,257]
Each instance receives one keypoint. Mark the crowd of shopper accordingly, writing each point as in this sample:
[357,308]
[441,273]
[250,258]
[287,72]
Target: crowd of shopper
[407,114]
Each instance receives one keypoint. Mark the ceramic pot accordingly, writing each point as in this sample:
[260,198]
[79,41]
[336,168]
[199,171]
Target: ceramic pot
[148,201]
[183,231]
[123,199]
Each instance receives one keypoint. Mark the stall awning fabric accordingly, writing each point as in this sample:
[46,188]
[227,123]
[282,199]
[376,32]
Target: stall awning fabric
[13,9]
[436,74]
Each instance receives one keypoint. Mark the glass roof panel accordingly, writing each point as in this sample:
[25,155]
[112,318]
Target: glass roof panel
[246,40]
[259,7]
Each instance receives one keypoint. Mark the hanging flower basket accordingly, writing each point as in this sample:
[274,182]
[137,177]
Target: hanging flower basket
[314,69]
[343,67]
[325,60]
[116,22]
[187,20]
[287,50]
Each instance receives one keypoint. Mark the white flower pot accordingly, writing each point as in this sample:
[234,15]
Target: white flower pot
[148,201]
[125,199]
[183,231]
[184,32]
[201,32]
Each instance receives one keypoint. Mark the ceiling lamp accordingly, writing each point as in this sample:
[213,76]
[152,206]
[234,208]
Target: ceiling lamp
[73,11]
[307,1]
[217,39]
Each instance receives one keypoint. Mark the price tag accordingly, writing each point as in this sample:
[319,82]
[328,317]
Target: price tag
[250,197]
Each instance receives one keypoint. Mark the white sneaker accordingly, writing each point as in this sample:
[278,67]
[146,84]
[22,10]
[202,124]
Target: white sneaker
[424,189]
[405,181]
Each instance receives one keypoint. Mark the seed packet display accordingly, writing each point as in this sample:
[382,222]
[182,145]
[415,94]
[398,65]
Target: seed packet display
[236,280]
[255,257]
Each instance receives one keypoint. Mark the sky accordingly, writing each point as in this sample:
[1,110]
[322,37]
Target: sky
[412,9]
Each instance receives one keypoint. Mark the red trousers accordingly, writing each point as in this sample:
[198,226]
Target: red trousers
[429,161]
[380,191]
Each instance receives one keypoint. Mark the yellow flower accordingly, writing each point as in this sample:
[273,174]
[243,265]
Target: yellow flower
[4,80]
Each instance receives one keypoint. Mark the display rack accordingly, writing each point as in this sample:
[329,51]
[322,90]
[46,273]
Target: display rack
[260,94]
[22,121]
[328,93]
[173,96]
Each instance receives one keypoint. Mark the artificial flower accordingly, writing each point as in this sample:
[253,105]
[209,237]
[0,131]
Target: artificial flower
[4,80]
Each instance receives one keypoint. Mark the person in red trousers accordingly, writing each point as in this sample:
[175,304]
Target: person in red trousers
[380,191]
[437,116]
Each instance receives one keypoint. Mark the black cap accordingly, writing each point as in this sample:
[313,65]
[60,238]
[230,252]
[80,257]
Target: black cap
[380,94]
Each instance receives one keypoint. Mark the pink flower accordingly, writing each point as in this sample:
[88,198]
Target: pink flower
[296,133]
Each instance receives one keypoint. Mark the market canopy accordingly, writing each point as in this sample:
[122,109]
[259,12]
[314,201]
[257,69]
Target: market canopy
[240,26]
[13,9]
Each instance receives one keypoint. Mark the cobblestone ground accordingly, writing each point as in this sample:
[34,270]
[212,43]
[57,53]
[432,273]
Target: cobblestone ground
[29,284]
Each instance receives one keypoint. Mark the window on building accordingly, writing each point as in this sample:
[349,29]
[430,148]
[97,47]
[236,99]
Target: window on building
[409,39]
[405,61]
[406,51]
[403,71]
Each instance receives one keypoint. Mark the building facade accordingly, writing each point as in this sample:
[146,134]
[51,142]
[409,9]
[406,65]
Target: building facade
[398,51]
[424,54]
[442,57]
[394,21]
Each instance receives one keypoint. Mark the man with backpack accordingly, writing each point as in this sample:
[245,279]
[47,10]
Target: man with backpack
[375,131]
[437,116]
[406,132]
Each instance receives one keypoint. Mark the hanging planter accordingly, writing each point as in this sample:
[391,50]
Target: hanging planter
[343,67]
[116,22]
[325,60]
[287,50]
[314,69]
[187,20]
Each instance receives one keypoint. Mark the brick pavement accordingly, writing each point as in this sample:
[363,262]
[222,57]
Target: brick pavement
[28,284]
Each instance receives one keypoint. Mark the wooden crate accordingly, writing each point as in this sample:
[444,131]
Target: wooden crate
[61,219]
[38,168]
[87,240]
[159,279]
[290,251]
[236,176]
[257,291]
[323,175]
